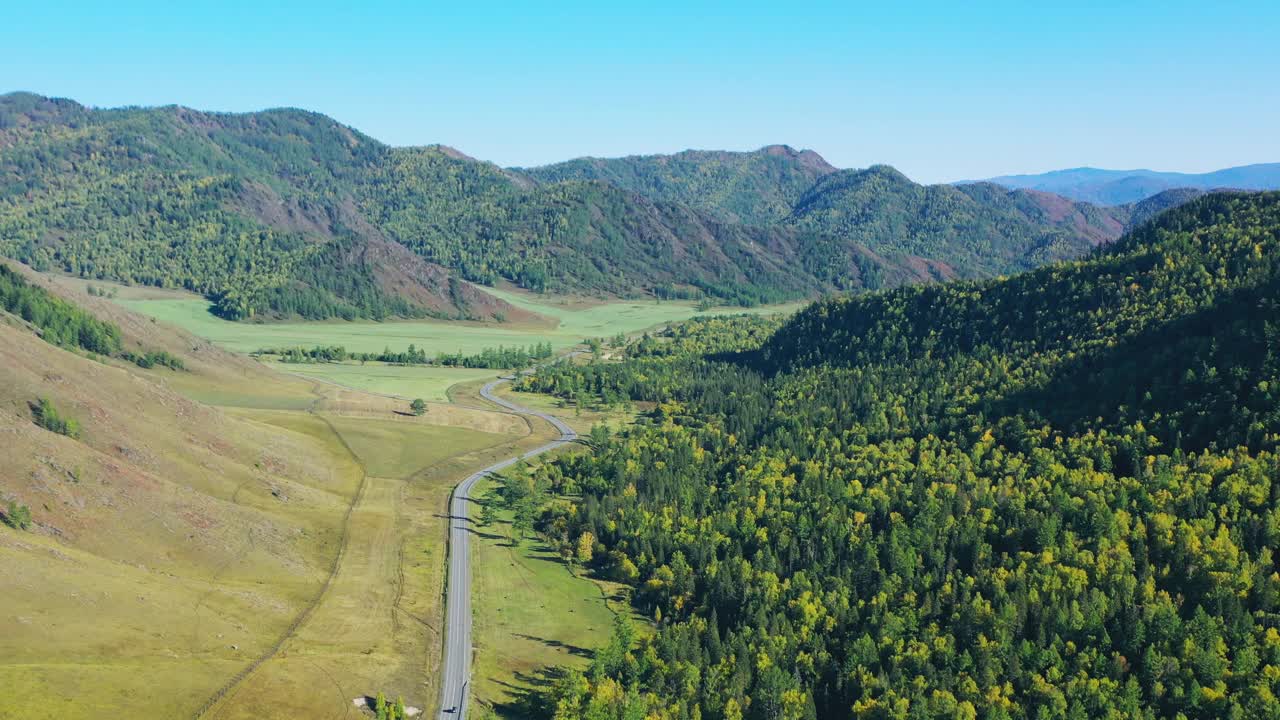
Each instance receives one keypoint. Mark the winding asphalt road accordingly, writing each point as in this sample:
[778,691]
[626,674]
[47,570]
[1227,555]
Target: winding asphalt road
[456,670]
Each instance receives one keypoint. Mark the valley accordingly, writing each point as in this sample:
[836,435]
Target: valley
[562,322]
[296,422]
[361,611]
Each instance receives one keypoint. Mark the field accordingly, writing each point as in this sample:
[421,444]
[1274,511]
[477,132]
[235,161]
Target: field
[172,544]
[531,615]
[285,525]
[375,628]
[572,320]
[406,381]
[395,449]
[569,321]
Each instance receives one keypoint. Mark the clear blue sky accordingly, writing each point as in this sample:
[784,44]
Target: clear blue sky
[940,90]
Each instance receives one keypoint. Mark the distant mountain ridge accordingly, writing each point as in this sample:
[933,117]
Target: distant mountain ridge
[1116,187]
[287,212]
[942,231]
[750,187]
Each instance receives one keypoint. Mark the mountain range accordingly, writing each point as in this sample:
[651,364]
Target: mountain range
[289,213]
[1117,187]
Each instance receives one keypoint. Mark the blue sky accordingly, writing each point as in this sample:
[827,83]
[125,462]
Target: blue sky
[941,91]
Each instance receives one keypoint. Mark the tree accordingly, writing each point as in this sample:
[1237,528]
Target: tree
[47,416]
[18,516]
[487,514]
[586,547]
[418,406]
[1047,496]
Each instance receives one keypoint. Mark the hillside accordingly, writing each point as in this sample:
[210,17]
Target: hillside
[940,230]
[756,188]
[1118,187]
[977,230]
[168,541]
[1048,495]
[251,210]
[180,526]
[287,213]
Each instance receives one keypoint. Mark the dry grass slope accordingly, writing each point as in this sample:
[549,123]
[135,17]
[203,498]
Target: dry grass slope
[180,545]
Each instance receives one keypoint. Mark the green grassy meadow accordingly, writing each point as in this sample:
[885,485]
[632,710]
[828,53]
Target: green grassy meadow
[573,322]
[409,381]
[531,614]
[376,626]
[398,449]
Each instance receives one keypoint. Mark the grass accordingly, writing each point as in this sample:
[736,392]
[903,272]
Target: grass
[398,449]
[581,421]
[375,628]
[416,381]
[262,396]
[530,614]
[573,322]
[172,543]
[177,543]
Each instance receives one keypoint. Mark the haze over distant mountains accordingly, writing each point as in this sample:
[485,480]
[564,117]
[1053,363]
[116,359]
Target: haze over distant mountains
[1116,187]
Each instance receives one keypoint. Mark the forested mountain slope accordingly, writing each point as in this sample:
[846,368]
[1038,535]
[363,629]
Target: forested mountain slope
[255,211]
[756,188]
[1179,315]
[286,212]
[1049,496]
[971,230]
[979,230]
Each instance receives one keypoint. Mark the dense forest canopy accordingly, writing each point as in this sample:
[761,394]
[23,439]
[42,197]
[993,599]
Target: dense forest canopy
[288,213]
[1055,495]
[758,188]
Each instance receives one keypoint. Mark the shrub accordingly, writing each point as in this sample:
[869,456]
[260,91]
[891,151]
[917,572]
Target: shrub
[151,358]
[17,516]
[48,417]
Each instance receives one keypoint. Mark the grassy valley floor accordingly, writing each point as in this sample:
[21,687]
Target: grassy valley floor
[376,626]
[338,481]
[568,323]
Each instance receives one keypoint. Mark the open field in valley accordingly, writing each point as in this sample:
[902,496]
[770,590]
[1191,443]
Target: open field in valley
[569,322]
[312,546]
[407,381]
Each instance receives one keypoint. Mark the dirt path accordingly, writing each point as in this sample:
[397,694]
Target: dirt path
[227,692]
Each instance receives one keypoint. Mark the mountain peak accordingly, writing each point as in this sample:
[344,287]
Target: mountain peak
[27,108]
[451,152]
[888,172]
[807,158]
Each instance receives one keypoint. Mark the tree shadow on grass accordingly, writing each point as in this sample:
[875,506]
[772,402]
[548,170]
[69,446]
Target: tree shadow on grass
[486,535]
[571,649]
[531,694]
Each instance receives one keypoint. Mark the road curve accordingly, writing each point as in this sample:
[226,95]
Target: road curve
[455,672]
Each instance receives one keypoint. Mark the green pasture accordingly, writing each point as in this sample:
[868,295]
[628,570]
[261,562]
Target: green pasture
[531,615]
[573,322]
[410,381]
